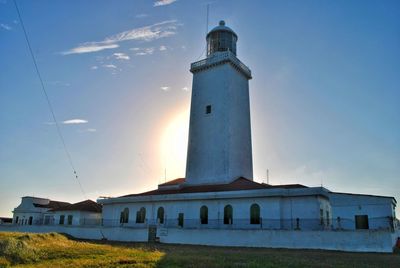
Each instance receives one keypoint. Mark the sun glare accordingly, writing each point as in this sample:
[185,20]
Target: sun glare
[174,145]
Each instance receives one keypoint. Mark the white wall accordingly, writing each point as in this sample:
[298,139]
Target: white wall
[26,209]
[347,206]
[219,146]
[78,217]
[272,210]
[361,241]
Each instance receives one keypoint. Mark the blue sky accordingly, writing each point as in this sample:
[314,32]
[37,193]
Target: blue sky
[324,96]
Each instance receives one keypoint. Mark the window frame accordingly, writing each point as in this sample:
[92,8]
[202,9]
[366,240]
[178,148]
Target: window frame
[228,214]
[255,214]
[203,214]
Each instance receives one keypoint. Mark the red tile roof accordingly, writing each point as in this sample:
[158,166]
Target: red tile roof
[87,205]
[173,182]
[239,184]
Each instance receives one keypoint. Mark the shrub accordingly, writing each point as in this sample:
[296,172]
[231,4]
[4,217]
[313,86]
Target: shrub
[17,251]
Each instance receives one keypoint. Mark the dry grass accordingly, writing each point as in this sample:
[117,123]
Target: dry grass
[56,250]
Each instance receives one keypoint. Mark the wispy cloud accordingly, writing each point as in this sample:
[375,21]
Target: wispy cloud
[74,121]
[5,26]
[147,33]
[163,2]
[94,67]
[185,89]
[141,16]
[121,56]
[162,48]
[165,88]
[89,47]
[87,130]
[112,66]
[143,51]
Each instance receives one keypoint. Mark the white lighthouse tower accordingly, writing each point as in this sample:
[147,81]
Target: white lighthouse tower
[219,146]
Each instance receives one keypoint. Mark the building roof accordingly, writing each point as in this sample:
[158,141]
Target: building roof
[173,182]
[6,219]
[239,184]
[368,195]
[52,205]
[221,28]
[87,205]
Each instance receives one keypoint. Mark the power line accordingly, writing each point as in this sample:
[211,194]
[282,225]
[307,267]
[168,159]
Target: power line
[48,100]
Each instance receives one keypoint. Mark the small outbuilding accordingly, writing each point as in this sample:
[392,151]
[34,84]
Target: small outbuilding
[86,212]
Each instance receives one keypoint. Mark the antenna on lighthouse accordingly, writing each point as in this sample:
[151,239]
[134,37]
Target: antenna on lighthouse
[208,9]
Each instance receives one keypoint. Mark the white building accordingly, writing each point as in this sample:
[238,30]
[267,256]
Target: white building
[43,211]
[82,213]
[32,210]
[364,211]
[218,191]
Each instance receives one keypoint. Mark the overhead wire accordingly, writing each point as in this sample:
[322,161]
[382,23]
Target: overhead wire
[48,101]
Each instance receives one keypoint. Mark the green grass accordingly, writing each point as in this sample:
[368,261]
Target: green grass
[56,250]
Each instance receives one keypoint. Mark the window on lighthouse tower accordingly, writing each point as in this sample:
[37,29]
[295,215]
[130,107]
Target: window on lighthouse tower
[208,109]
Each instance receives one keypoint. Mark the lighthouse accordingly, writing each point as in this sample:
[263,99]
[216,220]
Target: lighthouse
[219,144]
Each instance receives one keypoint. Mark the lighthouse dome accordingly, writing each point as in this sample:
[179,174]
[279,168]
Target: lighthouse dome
[221,38]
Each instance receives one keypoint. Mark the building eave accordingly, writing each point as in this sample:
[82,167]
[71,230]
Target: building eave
[316,191]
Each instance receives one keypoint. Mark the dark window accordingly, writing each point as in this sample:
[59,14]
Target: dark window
[321,216]
[255,214]
[69,219]
[204,215]
[327,218]
[180,219]
[124,217]
[16,220]
[362,222]
[141,215]
[30,220]
[62,218]
[208,109]
[228,214]
[160,215]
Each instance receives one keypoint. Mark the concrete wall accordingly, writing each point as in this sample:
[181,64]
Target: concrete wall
[357,241]
[361,241]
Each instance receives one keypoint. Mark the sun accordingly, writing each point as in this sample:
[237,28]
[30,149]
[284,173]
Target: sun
[173,145]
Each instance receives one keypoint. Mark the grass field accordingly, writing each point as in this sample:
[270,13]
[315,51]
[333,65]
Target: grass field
[56,250]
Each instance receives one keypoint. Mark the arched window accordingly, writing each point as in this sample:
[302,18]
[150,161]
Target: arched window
[204,215]
[124,218]
[160,215]
[228,214]
[16,220]
[255,214]
[141,215]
